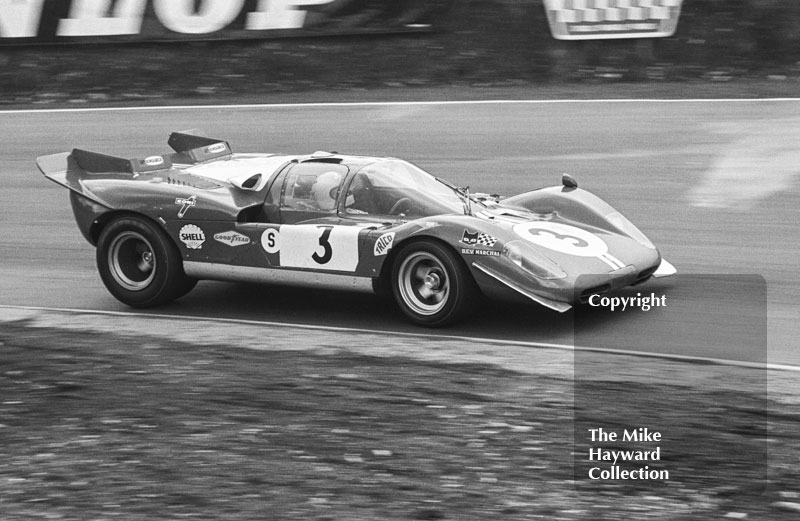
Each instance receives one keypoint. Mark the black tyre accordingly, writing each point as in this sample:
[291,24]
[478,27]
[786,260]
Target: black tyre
[139,264]
[431,284]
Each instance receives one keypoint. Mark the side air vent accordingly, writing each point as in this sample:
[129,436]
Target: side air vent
[191,180]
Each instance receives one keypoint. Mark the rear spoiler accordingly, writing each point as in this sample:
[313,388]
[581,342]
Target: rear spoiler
[190,148]
[93,162]
[197,148]
[67,168]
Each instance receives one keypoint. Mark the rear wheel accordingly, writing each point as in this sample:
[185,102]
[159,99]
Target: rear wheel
[431,285]
[139,264]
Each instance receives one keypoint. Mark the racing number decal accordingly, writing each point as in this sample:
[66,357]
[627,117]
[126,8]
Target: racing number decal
[325,242]
[575,241]
[310,246]
[562,238]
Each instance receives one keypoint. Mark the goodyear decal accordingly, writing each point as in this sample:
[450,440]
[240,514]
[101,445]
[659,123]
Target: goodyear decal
[232,238]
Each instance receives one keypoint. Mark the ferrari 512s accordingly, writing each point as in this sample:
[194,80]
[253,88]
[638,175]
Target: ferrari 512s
[330,220]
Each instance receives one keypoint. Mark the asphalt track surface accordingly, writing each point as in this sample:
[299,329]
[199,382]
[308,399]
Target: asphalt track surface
[712,183]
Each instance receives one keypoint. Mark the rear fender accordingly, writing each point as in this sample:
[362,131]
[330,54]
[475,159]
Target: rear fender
[91,217]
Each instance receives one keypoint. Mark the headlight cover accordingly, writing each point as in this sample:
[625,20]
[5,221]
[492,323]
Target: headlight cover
[627,227]
[529,259]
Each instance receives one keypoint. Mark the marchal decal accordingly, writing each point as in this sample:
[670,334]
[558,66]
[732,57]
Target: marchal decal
[192,236]
[232,238]
[384,244]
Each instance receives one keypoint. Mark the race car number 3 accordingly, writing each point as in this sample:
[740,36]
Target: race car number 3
[562,238]
[318,246]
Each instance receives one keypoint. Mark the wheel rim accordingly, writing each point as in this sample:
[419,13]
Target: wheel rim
[132,261]
[424,284]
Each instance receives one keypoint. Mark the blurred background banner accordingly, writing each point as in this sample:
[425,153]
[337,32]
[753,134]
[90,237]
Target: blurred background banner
[87,21]
[612,19]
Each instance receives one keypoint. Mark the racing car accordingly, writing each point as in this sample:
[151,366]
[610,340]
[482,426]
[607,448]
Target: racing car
[331,220]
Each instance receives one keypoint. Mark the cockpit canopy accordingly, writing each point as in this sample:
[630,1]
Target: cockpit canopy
[393,187]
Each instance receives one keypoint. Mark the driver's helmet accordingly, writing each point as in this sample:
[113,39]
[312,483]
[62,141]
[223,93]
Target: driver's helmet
[325,190]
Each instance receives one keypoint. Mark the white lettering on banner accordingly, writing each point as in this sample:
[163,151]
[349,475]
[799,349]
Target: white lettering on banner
[213,15]
[20,19]
[280,14]
[90,18]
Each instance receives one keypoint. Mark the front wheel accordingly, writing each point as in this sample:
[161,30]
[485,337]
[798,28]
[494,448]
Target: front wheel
[431,285]
[139,264]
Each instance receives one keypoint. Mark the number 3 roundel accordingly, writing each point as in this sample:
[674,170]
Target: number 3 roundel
[562,238]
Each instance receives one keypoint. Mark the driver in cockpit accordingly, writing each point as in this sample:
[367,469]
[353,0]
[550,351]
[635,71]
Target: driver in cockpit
[361,196]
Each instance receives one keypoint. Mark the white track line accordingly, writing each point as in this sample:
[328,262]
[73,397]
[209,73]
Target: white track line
[395,104]
[427,337]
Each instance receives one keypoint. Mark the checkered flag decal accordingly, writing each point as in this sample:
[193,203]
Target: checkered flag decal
[486,240]
[607,19]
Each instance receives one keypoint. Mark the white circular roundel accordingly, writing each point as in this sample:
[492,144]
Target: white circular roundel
[270,240]
[562,238]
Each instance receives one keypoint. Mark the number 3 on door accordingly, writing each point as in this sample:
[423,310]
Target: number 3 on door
[325,242]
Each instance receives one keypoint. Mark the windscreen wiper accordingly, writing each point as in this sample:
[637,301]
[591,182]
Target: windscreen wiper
[463,193]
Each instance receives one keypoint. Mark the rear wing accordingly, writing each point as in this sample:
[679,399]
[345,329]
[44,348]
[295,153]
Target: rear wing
[196,148]
[63,169]
[95,163]
[68,168]
[189,145]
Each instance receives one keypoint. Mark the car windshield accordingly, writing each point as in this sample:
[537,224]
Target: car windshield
[394,187]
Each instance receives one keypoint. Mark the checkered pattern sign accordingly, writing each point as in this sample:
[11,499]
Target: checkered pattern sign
[486,240]
[610,19]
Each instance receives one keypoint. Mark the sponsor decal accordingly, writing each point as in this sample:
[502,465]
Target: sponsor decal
[216,148]
[185,203]
[478,239]
[232,238]
[384,244]
[479,252]
[270,240]
[192,236]
[154,161]
[562,238]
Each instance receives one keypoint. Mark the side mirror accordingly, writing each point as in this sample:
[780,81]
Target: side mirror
[569,181]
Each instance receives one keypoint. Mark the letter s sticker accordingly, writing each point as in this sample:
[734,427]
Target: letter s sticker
[270,241]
